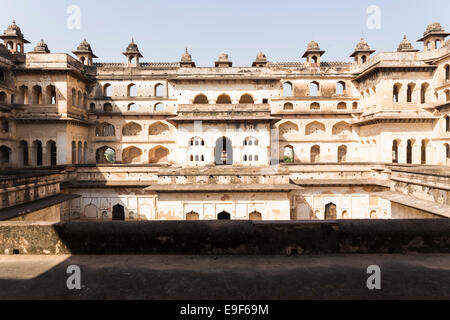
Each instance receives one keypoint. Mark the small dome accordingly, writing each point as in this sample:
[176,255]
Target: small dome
[13,30]
[223,57]
[84,46]
[186,57]
[41,47]
[132,46]
[405,45]
[313,45]
[261,56]
[435,26]
[362,45]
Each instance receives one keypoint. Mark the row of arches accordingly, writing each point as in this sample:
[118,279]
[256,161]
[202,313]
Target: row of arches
[37,95]
[314,128]
[410,87]
[106,129]
[314,88]
[223,215]
[289,155]
[316,106]
[223,99]
[79,152]
[131,154]
[132,107]
[330,213]
[412,146]
[158,90]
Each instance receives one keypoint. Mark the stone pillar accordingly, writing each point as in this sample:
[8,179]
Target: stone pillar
[45,156]
[416,153]
[402,152]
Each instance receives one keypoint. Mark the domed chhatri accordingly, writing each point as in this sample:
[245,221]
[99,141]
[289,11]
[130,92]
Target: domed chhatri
[260,61]
[223,61]
[186,60]
[13,38]
[132,49]
[433,35]
[41,47]
[84,53]
[362,51]
[313,53]
[406,46]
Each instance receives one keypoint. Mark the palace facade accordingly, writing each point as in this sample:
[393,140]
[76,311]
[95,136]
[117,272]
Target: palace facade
[309,139]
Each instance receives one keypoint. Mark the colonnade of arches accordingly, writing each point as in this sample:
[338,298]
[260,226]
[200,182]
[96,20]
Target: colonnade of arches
[288,155]
[314,88]
[132,154]
[416,151]
[223,99]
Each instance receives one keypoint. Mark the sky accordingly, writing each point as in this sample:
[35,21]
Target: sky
[279,28]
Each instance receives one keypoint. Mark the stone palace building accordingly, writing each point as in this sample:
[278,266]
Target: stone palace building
[311,139]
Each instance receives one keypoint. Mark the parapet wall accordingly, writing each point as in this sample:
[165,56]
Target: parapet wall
[226,237]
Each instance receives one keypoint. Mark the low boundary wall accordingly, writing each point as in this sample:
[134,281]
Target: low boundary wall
[226,237]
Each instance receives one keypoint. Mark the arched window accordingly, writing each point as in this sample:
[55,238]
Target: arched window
[105,129]
[314,106]
[159,90]
[118,212]
[330,211]
[342,153]
[423,92]
[315,154]
[132,90]
[80,152]
[2,75]
[196,141]
[314,89]
[159,107]
[395,151]
[51,94]
[107,107]
[4,124]
[223,99]
[447,123]
[342,106]
[340,87]
[287,89]
[314,60]
[92,107]
[437,44]
[131,129]
[423,152]
[74,152]
[288,154]
[37,153]
[409,92]
[158,154]
[105,155]
[192,215]
[355,105]
[132,107]
[409,151]
[107,90]
[200,99]
[246,99]
[223,216]
[288,106]
[131,155]
[23,152]
[85,152]
[447,72]
[51,150]
[363,59]
[255,215]
[36,95]
[395,92]
[447,152]
[5,155]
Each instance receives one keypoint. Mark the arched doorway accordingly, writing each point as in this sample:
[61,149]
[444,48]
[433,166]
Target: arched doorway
[409,152]
[255,215]
[118,212]
[223,216]
[224,151]
[394,151]
[330,211]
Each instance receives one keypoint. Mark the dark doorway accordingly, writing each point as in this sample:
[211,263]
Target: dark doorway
[53,153]
[330,211]
[409,152]
[224,151]
[39,153]
[223,216]
[118,212]
[394,151]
